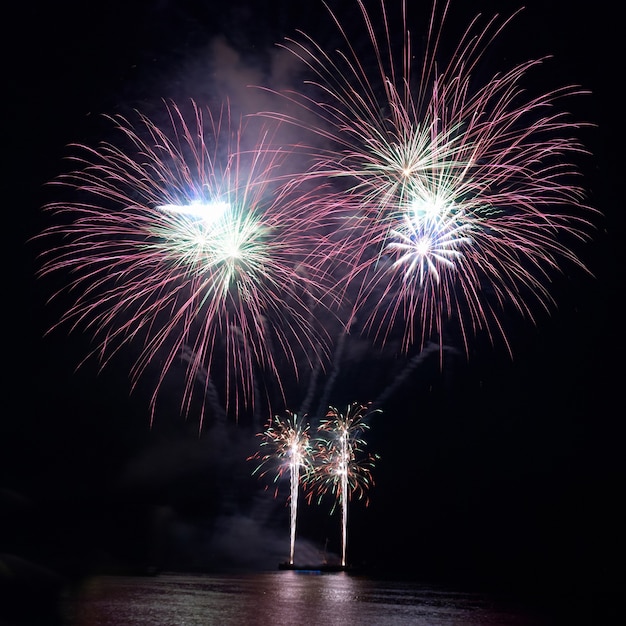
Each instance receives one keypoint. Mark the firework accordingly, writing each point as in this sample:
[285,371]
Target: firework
[461,193]
[287,444]
[342,468]
[186,240]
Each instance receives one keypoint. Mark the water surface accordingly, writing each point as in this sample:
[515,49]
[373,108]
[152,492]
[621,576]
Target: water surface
[285,597]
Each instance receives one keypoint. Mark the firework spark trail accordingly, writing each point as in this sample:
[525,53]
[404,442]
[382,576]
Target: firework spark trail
[183,237]
[461,197]
[310,392]
[333,374]
[341,468]
[211,394]
[289,450]
[414,362]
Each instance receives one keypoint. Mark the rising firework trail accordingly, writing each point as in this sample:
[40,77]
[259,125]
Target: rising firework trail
[286,448]
[186,240]
[461,193]
[342,468]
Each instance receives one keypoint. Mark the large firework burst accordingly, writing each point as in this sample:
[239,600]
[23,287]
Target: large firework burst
[461,193]
[183,238]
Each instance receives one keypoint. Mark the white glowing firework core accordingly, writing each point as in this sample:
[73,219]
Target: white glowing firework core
[431,235]
[206,234]
[209,212]
[429,206]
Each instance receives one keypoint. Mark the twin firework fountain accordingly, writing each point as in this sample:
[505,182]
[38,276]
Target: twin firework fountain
[430,199]
[333,463]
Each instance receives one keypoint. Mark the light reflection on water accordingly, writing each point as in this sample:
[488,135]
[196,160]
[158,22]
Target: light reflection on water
[281,597]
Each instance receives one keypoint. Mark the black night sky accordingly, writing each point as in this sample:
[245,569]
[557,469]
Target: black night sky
[495,471]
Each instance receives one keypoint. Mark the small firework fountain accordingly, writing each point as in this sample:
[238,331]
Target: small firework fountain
[343,469]
[289,451]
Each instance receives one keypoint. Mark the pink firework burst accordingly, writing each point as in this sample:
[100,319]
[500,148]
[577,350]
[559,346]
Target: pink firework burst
[184,239]
[461,193]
